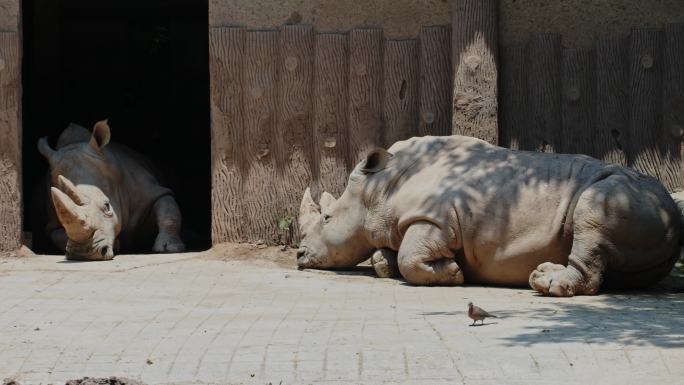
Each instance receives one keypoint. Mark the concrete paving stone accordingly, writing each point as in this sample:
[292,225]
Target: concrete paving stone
[202,320]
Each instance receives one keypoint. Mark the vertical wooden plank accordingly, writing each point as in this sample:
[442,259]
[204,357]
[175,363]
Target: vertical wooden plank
[400,101]
[226,49]
[645,101]
[475,56]
[435,108]
[673,107]
[295,131]
[514,100]
[330,111]
[544,93]
[612,134]
[365,92]
[577,74]
[10,142]
[260,68]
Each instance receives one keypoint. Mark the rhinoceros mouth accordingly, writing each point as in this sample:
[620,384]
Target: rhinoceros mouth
[88,251]
[305,259]
[304,262]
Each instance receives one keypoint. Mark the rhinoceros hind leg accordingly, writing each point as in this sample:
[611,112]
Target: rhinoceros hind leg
[168,218]
[425,259]
[385,263]
[582,276]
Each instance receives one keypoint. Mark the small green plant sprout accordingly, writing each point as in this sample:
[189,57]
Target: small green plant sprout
[285,223]
[285,227]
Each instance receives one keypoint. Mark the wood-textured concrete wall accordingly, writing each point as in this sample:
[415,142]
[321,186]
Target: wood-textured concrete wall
[621,101]
[295,108]
[10,126]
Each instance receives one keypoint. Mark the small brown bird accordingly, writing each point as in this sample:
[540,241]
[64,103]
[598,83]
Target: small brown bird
[478,314]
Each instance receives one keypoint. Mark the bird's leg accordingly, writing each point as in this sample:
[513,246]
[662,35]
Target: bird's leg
[425,258]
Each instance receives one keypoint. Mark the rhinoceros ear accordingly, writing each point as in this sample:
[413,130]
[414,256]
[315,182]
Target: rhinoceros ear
[308,207]
[101,135]
[375,161]
[45,149]
[326,201]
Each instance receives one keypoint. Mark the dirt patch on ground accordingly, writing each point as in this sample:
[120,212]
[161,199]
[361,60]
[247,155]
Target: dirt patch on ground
[104,381]
[258,254]
[279,256]
[90,381]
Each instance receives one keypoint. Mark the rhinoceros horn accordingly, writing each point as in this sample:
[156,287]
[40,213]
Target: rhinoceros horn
[70,214]
[308,208]
[326,201]
[69,189]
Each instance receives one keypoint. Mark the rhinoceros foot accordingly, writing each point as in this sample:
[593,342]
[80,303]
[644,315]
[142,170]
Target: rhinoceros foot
[553,279]
[384,262]
[168,243]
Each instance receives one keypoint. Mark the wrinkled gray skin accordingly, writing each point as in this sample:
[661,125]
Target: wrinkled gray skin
[449,210]
[105,197]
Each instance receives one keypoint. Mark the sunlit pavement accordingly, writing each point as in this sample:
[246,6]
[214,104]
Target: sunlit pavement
[192,319]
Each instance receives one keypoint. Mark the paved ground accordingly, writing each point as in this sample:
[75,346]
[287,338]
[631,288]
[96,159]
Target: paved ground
[192,319]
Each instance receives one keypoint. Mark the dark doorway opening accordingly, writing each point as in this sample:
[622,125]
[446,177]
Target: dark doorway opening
[142,64]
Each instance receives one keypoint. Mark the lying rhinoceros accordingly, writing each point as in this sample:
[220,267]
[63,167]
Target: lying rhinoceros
[104,196]
[449,210]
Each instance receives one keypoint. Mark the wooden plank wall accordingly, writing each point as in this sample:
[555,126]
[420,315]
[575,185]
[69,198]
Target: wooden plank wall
[294,108]
[10,142]
[621,101]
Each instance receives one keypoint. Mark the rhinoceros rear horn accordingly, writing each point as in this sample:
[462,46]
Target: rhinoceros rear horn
[70,215]
[67,187]
[308,207]
[101,135]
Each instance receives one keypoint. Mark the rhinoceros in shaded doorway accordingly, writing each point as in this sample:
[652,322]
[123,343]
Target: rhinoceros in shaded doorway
[104,198]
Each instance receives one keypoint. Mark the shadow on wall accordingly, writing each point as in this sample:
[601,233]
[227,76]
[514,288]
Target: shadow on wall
[621,101]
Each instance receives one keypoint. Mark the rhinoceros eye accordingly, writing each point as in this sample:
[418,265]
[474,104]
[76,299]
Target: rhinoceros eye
[107,209]
[326,218]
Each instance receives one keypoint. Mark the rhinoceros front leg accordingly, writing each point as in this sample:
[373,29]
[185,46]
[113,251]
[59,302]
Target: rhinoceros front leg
[425,258]
[168,218]
[385,263]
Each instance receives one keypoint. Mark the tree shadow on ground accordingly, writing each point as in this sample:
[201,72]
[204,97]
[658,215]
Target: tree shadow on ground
[634,318]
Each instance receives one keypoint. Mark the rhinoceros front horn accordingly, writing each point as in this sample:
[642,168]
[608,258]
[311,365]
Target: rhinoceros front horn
[308,207]
[70,215]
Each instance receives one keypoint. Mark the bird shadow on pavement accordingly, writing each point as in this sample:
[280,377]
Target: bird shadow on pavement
[484,324]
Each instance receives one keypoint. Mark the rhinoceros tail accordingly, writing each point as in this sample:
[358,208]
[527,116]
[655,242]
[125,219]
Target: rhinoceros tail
[678,198]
